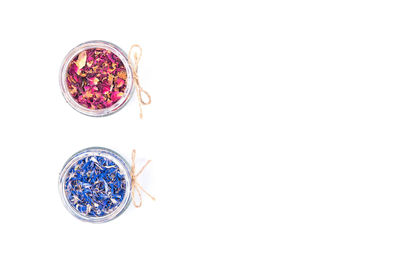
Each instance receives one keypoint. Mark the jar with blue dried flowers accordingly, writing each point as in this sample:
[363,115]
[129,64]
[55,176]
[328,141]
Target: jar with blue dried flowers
[97,185]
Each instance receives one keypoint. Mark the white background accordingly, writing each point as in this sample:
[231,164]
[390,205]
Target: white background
[274,129]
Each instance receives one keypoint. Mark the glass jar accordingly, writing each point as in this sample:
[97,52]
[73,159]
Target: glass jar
[87,189]
[110,107]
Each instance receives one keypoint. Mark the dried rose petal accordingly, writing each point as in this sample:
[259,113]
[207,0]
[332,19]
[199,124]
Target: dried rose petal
[122,74]
[96,78]
[115,96]
[81,62]
[92,80]
[119,82]
[106,89]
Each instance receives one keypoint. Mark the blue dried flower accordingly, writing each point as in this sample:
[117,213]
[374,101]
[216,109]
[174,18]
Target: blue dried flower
[94,186]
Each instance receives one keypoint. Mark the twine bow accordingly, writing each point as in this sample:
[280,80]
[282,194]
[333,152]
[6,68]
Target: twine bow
[134,66]
[135,185]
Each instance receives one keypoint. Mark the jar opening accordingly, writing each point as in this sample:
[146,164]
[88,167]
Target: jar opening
[96,78]
[95,185]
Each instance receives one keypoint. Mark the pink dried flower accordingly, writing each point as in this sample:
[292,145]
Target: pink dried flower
[96,78]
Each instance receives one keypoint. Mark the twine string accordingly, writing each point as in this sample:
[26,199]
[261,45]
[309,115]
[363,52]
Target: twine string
[137,55]
[136,187]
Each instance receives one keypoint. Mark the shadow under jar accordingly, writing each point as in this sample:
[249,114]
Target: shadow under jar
[96,78]
[95,185]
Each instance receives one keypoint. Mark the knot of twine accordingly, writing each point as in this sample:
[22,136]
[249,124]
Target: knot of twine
[134,66]
[136,187]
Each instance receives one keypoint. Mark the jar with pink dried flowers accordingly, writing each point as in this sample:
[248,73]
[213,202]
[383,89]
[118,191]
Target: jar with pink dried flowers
[96,78]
